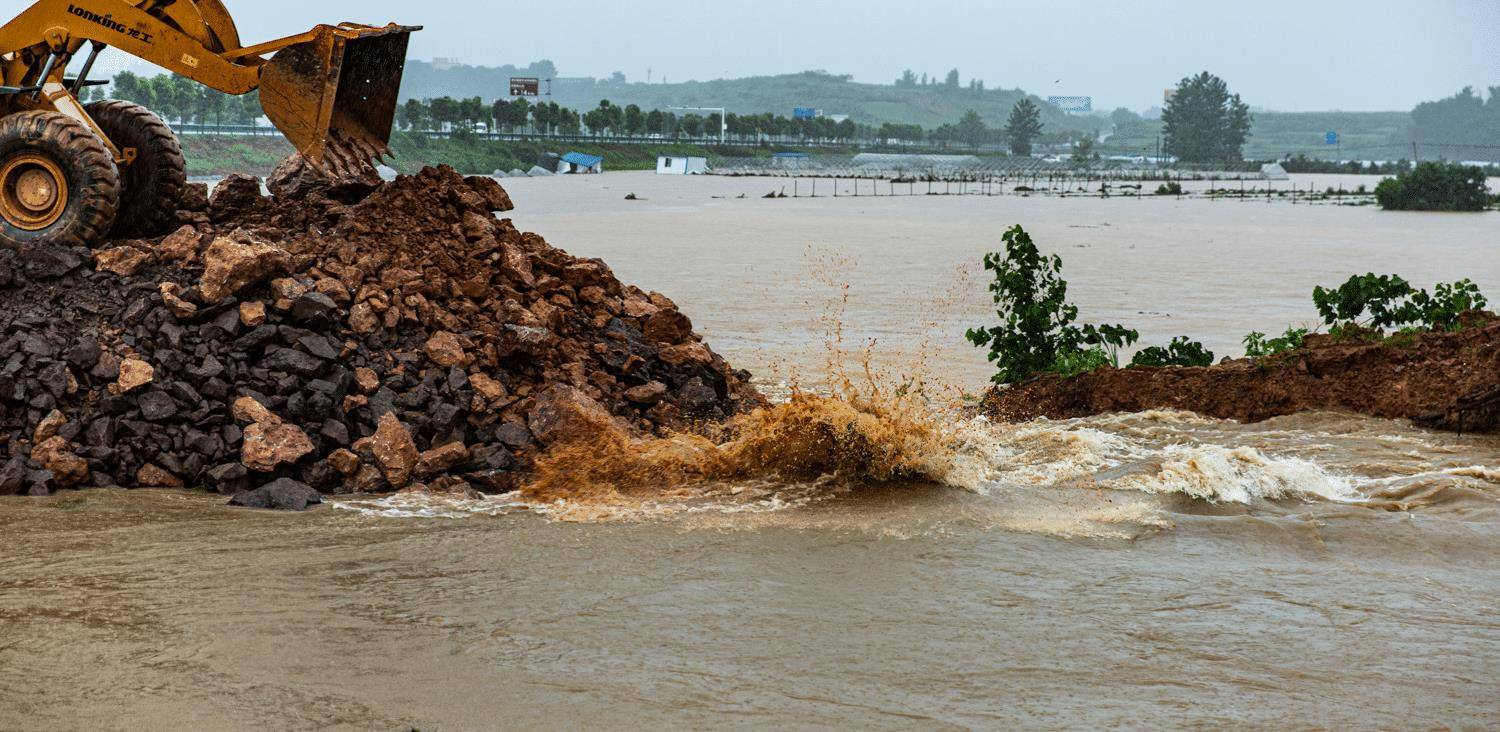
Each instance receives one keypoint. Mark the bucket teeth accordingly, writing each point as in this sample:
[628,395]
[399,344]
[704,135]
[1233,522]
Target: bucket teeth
[351,155]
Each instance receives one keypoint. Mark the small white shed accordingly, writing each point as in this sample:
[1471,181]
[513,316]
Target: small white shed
[681,165]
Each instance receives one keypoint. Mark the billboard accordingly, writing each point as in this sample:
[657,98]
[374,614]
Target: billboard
[804,113]
[525,86]
[1073,105]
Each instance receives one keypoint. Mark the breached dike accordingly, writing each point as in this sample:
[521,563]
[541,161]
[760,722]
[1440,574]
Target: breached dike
[340,337]
[1439,380]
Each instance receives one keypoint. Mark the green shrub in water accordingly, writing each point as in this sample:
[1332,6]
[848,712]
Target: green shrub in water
[1037,330]
[1180,352]
[1388,301]
[1435,187]
[1258,346]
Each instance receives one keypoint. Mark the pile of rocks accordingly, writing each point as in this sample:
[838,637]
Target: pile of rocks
[345,336]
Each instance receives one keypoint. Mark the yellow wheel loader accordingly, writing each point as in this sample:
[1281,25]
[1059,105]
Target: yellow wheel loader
[74,174]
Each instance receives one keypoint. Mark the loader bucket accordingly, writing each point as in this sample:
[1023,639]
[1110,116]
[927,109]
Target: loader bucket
[334,97]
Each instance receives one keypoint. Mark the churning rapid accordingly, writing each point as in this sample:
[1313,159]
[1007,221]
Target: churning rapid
[860,552]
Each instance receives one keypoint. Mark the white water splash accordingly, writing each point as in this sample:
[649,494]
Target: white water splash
[426,505]
[1239,475]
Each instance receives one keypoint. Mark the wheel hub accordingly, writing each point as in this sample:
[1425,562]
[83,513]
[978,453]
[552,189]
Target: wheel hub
[33,192]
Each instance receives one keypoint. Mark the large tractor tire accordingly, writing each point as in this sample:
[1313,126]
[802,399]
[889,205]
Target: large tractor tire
[58,183]
[150,186]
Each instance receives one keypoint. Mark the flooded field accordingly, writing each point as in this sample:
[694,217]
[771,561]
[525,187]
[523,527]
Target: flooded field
[759,276]
[1158,569]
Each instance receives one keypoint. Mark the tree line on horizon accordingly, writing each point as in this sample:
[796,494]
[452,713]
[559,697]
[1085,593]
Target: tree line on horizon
[521,115]
[1203,124]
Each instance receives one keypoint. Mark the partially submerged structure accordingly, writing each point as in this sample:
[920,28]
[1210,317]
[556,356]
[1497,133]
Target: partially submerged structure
[577,162]
[1274,171]
[681,165]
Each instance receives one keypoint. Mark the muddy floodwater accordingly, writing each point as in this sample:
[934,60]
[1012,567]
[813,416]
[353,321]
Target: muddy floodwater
[1147,570]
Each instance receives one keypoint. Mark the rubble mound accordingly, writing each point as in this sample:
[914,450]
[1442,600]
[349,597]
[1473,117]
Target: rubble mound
[1441,380]
[342,336]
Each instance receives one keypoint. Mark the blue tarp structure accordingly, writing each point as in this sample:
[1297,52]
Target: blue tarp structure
[582,160]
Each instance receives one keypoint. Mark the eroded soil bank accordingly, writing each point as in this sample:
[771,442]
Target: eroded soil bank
[1447,381]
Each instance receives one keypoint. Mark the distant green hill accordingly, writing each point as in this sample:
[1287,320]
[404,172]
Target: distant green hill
[1460,127]
[929,106]
[1273,135]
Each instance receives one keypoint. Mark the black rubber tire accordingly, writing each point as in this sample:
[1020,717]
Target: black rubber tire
[151,187]
[93,182]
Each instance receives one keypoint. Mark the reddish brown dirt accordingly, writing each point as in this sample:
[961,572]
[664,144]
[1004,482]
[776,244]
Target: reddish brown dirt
[1447,381]
[354,336]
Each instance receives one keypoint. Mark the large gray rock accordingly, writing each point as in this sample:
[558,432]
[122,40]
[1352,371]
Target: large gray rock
[282,494]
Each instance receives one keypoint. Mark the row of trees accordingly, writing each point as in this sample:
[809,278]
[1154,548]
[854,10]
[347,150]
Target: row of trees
[522,115]
[909,80]
[181,100]
[1203,123]
[1020,132]
[1465,126]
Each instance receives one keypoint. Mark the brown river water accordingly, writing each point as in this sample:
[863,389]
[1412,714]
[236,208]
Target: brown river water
[1148,570]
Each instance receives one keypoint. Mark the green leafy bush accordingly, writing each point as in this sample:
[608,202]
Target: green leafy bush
[1180,352]
[1037,330]
[1434,186]
[1258,346]
[1448,302]
[1081,362]
[1170,188]
[1369,300]
[1387,301]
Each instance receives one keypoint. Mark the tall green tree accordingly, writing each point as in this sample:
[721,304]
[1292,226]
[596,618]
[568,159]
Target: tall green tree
[413,114]
[1204,123]
[634,120]
[1024,125]
[847,129]
[952,80]
[971,129]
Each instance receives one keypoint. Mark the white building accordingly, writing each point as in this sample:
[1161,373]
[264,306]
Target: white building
[681,165]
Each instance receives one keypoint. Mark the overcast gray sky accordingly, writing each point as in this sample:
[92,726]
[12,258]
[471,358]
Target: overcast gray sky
[1279,54]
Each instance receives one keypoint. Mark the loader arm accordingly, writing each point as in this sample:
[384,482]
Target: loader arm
[331,91]
[63,26]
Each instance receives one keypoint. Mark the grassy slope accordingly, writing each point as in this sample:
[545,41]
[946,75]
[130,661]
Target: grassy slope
[1365,135]
[220,155]
[476,156]
[259,155]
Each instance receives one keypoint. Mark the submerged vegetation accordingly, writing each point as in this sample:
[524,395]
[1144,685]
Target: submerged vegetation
[1435,187]
[1038,332]
[1376,302]
[1258,346]
[1180,352]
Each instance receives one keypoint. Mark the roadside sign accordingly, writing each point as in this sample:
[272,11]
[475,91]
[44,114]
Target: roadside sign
[1332,137]
[523,86]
